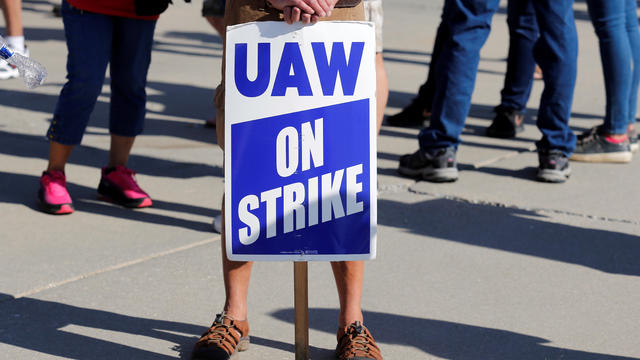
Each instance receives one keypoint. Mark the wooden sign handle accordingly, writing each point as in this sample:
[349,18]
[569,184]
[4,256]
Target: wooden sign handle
[301,308]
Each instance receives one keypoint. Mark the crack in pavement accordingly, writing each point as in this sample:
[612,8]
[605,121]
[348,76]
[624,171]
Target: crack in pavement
[406,188]
[108,269]
[532,209]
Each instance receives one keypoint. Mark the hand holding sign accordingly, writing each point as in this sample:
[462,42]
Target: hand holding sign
[306,11]
[321,8]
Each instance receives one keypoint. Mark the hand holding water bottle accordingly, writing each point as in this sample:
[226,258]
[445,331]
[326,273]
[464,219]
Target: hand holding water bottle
[32,72]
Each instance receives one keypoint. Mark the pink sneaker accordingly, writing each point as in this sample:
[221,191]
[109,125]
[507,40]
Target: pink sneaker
[118,184]
[53,195]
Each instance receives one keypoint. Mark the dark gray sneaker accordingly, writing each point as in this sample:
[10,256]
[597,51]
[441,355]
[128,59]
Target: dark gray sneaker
[412,115]
[594,146]
[554,166]
[440,166]
[507,123]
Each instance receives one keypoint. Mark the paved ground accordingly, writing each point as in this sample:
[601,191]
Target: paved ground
[494,266]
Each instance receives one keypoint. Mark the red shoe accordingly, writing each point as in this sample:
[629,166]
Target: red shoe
[53,195]
[118,184]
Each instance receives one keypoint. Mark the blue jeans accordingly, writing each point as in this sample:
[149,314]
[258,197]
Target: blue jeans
[616,25]
[556,51]
[523,33]
[95,40]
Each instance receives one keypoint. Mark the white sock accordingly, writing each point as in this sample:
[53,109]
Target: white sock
[16,43]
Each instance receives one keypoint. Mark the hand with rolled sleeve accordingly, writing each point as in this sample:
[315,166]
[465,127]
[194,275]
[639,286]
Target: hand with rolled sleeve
[306,11]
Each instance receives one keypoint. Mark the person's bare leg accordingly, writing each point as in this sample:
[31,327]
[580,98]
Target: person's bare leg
[349,276]
[120,150]
[382,89]
[12,10]
[58,155]
[237,275]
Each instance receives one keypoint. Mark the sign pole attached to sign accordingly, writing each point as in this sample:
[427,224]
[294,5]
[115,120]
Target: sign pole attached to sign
[301,308]
[300,148]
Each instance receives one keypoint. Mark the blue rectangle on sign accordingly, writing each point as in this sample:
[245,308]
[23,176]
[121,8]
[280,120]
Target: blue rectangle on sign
[301,182]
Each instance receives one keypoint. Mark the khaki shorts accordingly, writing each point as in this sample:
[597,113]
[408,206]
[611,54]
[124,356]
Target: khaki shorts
[373,12]
[244,11]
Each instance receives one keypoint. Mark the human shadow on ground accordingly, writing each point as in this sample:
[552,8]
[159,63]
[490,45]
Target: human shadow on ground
[406,52]
[35,6]
[44,34]
[33,146]
[521,231]
[85,199]
[39,325]
[208,41]
[446,340]
[184,101]
[400,99]
[204,37]
[578,14]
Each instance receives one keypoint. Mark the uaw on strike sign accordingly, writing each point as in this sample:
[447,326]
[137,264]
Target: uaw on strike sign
[300,141]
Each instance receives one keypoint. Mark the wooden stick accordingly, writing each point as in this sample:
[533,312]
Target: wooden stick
[301,308]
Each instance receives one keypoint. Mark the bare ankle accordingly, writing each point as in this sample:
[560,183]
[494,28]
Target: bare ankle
[349,318]
[236,312]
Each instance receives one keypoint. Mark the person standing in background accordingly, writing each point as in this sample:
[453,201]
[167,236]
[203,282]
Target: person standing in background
[12,11]
[100,33]
[616,24]
[556,51]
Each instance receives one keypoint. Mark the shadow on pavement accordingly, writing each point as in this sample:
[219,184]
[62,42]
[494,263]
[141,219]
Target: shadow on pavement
[33,146]
[43,34]
[185,101]
[205,37]
[39,325]
[446,340]
[24,191]
[47,327]
[521,231]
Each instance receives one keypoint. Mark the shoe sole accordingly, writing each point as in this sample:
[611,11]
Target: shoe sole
[54,209]
[432,175]
[613,157]
[110,194]
[440,175]
[553,176]
[9,73]
[243,345]
[8,76]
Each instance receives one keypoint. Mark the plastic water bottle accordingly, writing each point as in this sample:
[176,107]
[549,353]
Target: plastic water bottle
[32,72]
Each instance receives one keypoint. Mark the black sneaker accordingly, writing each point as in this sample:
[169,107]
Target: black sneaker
[506,124]
[554,166]
[593,146]
[413,114]
[439,167]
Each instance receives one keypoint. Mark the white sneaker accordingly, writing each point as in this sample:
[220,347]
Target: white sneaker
[217,224]
[8,71]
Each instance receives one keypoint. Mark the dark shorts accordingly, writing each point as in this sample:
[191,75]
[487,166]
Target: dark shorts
[213,8]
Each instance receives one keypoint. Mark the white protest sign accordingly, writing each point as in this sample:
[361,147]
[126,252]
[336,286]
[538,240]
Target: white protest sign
[300,141]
